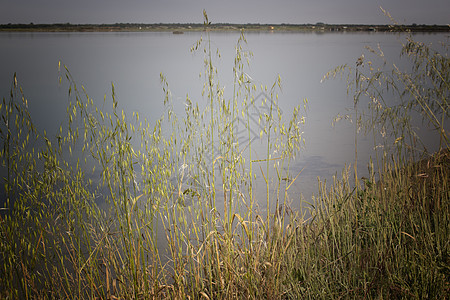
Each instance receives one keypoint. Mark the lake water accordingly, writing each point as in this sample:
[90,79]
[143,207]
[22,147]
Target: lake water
[134,61]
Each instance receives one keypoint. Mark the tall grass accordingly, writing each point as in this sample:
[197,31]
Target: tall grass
[391,238]
[115,207]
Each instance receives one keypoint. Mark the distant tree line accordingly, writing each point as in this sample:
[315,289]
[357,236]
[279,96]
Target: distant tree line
[220,26]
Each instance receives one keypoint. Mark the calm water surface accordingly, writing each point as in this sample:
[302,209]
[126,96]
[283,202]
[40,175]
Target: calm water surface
[134,61]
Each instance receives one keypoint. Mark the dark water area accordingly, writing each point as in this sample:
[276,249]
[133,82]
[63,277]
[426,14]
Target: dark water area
[133,62]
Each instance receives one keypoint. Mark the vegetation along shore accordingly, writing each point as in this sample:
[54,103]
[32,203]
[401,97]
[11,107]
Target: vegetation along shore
[318,27]
[163,234]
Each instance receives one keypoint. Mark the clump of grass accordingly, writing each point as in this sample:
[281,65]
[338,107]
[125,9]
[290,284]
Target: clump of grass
[389,240]
[190,190]
[384,237]
[182,219]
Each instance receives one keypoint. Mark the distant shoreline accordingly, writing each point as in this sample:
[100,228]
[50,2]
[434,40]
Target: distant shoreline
[181,28]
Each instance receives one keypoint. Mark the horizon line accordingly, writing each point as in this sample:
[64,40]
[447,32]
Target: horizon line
[221,23]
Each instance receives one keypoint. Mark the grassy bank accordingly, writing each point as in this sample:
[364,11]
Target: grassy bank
[116,207]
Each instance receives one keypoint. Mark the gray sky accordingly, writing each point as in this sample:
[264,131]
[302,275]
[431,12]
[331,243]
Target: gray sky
[227,11]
